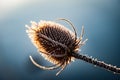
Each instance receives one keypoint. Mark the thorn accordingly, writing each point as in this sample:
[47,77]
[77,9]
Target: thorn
[90,56]
[33,22]
[95,59]
[84,41]
[114,66]
[109,65]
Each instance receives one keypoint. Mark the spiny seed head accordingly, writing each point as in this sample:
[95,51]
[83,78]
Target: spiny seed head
[54,41]
[59,45]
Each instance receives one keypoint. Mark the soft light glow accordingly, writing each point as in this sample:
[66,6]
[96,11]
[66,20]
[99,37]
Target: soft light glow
[8,6]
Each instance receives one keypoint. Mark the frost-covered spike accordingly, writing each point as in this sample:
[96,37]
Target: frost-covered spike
[33,22]
[109,65]
[91,57]
[27,26]
[95,59]
[84,41]
[114,66]
[82,32]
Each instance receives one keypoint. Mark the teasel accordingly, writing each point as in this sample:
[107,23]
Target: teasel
[60,46]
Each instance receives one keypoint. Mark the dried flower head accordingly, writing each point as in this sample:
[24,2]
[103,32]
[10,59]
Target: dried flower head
[59,45]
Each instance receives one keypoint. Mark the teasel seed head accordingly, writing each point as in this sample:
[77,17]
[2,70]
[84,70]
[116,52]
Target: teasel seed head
[60,46]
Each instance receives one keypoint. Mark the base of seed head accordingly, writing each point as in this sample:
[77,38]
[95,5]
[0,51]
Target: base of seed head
[60,46]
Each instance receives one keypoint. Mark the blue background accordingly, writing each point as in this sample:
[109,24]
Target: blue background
[101,19]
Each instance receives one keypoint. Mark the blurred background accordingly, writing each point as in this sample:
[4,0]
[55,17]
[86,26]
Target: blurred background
[101,19]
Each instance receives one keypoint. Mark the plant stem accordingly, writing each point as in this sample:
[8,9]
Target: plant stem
[95,62]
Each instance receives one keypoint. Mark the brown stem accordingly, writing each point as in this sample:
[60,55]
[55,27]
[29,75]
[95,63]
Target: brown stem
[97,63]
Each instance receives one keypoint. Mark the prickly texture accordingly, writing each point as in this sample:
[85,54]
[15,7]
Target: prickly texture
[101,64]
[58,45]
[51,38]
